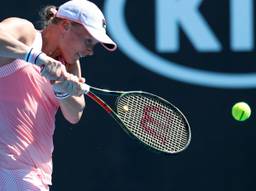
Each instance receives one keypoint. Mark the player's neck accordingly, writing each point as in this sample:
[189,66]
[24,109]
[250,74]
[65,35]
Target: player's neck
[49,48]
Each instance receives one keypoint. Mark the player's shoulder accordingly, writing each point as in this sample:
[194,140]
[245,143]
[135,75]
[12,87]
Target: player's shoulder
[16,21]
[20,28]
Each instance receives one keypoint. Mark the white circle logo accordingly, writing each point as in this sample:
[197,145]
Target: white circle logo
[114,11]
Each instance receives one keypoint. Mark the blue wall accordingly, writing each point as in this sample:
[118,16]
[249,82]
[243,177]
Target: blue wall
[215,58]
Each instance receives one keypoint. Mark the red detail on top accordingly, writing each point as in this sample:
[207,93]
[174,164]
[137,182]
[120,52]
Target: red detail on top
[100,102]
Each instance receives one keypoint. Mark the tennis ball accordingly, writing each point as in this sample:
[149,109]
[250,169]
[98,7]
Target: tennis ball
[125,108]
[241,111]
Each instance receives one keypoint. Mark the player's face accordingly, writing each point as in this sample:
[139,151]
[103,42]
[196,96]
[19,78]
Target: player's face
[77,43]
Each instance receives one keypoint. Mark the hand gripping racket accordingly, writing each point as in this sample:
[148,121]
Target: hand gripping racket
[150,119]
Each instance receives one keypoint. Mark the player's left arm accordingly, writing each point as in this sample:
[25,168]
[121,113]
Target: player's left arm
[72,107]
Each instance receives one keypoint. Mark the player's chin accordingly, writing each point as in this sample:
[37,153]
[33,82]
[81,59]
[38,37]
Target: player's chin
[72,59]
[76,57]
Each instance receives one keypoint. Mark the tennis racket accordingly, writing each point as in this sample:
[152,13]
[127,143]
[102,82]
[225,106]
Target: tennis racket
[150,119]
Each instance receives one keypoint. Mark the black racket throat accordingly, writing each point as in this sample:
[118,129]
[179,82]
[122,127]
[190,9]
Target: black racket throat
[105,92]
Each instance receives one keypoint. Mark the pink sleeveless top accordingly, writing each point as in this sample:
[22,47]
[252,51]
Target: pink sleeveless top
[27,118]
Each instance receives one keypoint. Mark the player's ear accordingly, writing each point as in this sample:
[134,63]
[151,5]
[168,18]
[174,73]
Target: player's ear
[66,25]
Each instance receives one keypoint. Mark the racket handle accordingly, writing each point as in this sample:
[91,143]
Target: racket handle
[85,88]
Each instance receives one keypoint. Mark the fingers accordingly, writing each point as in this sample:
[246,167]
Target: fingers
[54,70]
[82,80]
[51,68]
[72,85]
[75,85]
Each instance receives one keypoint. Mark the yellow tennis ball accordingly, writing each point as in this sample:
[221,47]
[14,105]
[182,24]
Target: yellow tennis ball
[125,108]
[241,111]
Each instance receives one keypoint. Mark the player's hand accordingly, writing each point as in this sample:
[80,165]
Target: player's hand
[72,85]
[51,69]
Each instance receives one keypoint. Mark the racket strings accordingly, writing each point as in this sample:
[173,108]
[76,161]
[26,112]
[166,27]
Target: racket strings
[153,122]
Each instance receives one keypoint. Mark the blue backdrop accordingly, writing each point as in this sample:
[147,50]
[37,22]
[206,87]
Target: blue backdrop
[197,54]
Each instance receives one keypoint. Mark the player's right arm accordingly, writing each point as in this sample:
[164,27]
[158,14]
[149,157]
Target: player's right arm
[16,37]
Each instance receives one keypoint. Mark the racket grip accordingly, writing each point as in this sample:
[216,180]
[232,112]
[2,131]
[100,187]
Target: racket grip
[85,88]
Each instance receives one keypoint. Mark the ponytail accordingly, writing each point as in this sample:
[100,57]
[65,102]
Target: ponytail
[47,15]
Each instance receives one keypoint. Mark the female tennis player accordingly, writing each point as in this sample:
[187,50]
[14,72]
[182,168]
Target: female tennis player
[40,72]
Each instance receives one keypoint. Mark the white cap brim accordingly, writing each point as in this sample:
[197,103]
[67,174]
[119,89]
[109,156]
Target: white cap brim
[102,37]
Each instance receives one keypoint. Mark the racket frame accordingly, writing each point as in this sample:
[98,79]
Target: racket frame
[92,91]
